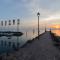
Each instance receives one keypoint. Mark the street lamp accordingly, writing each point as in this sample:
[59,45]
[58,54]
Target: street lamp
[38,14]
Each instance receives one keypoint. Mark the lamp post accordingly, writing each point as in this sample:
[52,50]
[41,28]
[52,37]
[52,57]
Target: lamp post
[18,22]
[38,14]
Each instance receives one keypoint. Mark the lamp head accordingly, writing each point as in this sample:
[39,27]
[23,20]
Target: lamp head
[38,14]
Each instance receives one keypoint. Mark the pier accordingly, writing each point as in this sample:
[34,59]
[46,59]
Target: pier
[42,49]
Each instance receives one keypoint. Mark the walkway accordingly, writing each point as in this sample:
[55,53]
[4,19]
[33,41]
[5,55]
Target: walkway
[41,49]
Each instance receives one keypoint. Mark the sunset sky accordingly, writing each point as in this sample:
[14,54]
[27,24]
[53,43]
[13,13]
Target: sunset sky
[27,10]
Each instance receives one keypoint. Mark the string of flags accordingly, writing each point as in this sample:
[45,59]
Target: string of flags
[9,22]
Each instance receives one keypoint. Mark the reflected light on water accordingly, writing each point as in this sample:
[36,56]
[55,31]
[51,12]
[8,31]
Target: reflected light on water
[57,32]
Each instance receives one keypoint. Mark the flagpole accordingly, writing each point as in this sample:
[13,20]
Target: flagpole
[18,22]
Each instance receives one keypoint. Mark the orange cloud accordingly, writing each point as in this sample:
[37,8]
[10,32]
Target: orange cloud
[55,26]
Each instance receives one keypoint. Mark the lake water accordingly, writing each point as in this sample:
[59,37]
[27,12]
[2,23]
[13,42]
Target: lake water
[7,44]
[56,32]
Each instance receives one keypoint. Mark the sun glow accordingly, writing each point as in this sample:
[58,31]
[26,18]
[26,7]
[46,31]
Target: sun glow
[55,26]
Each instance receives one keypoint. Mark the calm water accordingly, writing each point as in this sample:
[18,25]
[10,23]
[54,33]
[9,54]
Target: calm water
[57,32]
[7,44]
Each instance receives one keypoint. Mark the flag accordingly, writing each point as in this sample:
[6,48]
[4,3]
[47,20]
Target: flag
[18,21]
[9,22]
[1,23]
[13,22]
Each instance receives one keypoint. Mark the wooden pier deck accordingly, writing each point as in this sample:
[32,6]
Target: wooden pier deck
[42,49]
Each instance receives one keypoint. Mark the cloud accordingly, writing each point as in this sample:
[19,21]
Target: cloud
[28,8]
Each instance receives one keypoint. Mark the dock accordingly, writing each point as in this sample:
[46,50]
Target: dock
[42,49]
[10,33]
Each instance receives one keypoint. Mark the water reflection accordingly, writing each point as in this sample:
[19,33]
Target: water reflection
[18,42]
[33,31]
[1,42]
[57,32]
[9,37]
[26,34]
[10,43]
[5,43]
